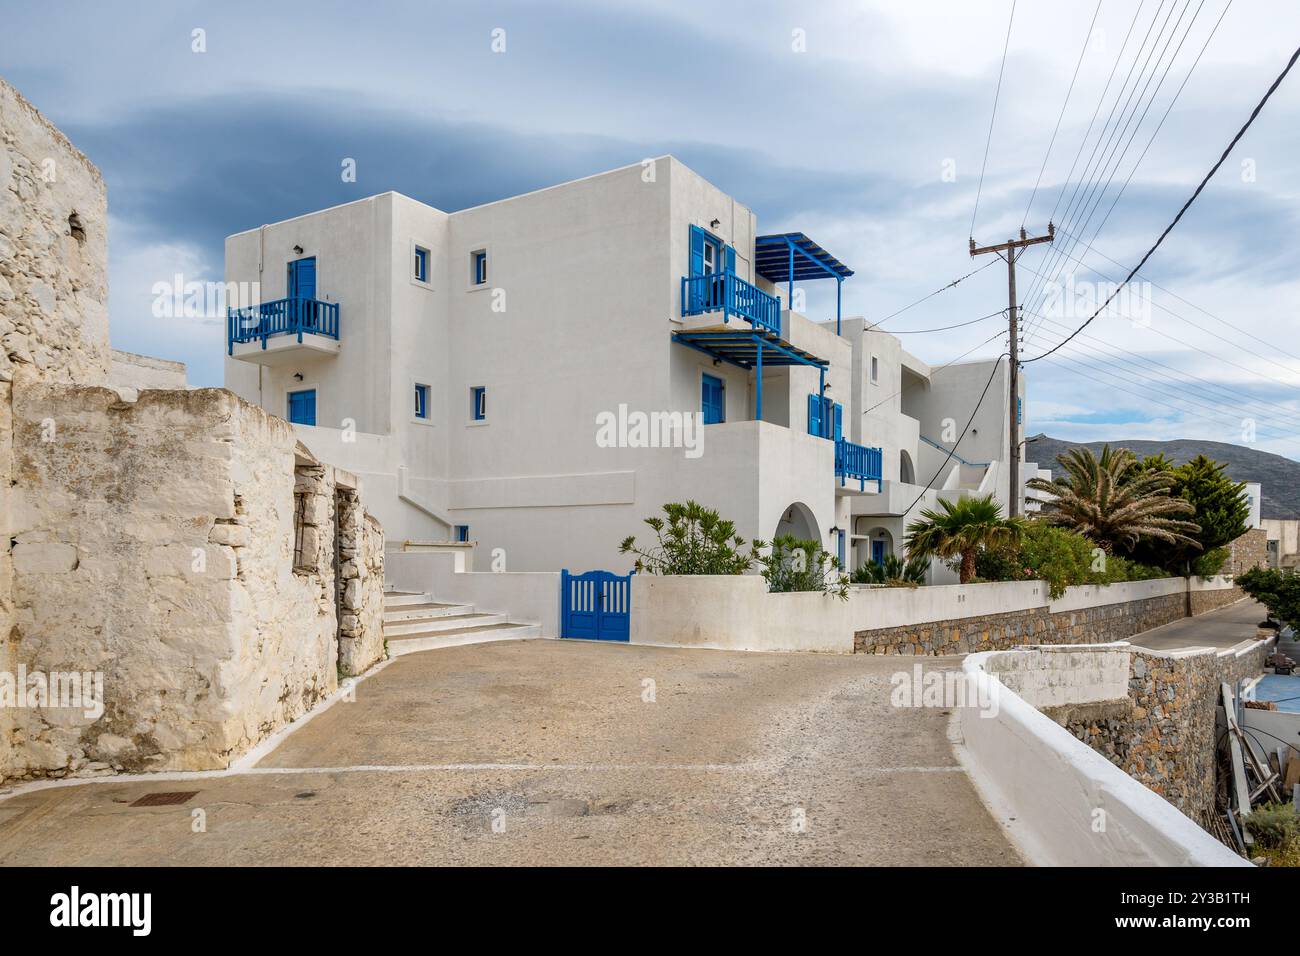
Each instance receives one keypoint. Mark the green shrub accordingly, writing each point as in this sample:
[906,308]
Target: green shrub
[1274,825]
[1060,557]
[795,565]
[1210,563]
[893,572]
[1279,591]
[694,540]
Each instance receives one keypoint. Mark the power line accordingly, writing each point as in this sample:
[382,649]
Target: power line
[933,294]
[943,328]
[1187,205]
[893,395]
[996,94]
[1087,38]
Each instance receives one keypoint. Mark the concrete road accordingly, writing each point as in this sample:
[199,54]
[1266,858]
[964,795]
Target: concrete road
[561,752]
[1226,627]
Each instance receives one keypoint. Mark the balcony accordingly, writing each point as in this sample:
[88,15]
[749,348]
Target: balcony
[858,463]
[287,329]
[729,294]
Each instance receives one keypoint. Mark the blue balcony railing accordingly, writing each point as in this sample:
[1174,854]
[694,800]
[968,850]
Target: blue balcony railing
[729,294]
[858,462]
[293,316]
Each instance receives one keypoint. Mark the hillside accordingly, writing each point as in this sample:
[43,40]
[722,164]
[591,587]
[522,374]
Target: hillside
[1280,477]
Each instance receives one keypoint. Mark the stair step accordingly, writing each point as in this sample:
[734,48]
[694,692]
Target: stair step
[447,622]
[411,643]
[407,612]
[405,598]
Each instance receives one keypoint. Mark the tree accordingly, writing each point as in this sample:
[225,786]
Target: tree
[893,571]
[1279,591]
[960,530]
[795,565]
[1219,510]
[1115,502]
[694,540]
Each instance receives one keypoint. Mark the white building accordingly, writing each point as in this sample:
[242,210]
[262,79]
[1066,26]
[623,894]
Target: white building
[495,375]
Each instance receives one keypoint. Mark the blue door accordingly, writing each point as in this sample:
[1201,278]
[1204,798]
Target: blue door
[877,552]
[302,407]
[713,401]
[303,312]
[596,606]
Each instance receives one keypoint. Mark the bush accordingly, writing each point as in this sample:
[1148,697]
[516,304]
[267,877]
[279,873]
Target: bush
[694,540]
[1279,591]
[893,572]
[1060,557]
[795,565]
[1274,825]
[1210,563]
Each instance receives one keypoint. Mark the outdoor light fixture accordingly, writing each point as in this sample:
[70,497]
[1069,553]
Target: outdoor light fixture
[715,223]
[297,250]
[835,529]
[297,376]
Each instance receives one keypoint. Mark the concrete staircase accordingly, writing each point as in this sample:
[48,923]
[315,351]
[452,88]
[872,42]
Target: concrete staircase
[416,622]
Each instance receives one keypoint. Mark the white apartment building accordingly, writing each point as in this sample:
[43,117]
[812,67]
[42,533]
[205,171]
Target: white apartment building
[537,375]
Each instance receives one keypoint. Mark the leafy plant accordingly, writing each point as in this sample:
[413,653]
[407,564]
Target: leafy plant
[694,540]
[1219,510]
[1274,825]
[1059,557]
[892,571]
[1115,502]
[797,565]
[960,530]
[1279,591]
[1210,563]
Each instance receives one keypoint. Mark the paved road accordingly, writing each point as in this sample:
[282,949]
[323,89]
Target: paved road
[1226,627]
[554,742]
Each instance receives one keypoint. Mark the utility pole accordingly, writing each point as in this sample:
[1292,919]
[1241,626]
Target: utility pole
[1011,250]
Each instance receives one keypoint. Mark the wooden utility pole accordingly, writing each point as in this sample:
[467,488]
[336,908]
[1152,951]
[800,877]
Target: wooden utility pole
[1011,250]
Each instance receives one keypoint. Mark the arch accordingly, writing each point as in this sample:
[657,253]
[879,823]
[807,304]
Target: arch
[798,520]
[906,470]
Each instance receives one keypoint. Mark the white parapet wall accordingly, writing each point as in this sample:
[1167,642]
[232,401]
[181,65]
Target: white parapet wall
[1063,803]
[527,597]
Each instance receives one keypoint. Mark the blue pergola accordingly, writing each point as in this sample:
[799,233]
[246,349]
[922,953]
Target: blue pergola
[752,350]
[788,256]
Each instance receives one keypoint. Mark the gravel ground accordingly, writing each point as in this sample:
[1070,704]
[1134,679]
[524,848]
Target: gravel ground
[562,752]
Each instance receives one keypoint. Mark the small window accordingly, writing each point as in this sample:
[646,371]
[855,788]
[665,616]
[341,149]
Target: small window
[462,532]
[875,369]
[478,267]
[302,407]
[421,264]
[478,403]
[422,401]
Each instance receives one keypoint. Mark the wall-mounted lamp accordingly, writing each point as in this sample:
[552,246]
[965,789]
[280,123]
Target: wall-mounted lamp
[714,223]
[297,376]
[717,362]
[835,529]
[297,250]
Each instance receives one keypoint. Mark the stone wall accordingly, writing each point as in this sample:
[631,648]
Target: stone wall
[360,585]
[1202,601]
[1038,625]
[129,370]
[182,546]
[1246,552]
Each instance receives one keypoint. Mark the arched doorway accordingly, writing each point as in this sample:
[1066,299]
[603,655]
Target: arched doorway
[879,543]
[798,520]
[906,471]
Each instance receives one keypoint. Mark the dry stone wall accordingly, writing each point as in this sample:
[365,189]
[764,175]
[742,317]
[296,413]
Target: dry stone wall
[360,585]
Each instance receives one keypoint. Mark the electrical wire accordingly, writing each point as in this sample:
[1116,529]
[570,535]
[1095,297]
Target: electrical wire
[943,328]
[934,293]
[996,94]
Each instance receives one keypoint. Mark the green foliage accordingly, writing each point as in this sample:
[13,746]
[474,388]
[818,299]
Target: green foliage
[1279,591]
[694,540]
[960,530]
[1274,825]
[893,572]
[1060,557]
[1210,563]
[1219,511]
[795,565]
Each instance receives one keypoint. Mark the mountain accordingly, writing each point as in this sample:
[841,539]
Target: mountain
[1279,477]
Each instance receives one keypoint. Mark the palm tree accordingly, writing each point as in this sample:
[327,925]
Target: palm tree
[960,529]
[1115,501]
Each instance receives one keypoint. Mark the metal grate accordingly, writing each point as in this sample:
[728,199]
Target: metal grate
[165,799]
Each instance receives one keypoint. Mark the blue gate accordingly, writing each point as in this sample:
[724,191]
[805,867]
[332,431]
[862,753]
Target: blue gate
[596,606]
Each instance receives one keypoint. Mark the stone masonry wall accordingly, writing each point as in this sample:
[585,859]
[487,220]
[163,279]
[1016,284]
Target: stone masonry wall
[993,632]
[155,545]
[1248,551]
[360,586]
[1203,601]
[53,299]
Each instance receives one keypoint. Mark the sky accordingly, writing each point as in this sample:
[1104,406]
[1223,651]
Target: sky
[864,125]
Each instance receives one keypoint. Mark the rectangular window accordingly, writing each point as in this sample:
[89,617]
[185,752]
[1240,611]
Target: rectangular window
[462,532]
[422,401]
[478,403]
[478,267]
[875,369]
[302,407]
[713,400]
[421,264]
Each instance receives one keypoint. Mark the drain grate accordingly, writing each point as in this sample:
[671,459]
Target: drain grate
[165,799]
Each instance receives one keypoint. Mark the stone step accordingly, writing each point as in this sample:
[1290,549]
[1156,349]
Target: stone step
[447,622]
[411,643]
[410,612]
[404,598]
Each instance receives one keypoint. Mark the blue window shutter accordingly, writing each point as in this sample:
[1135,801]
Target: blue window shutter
[713,400]
[302,278]
[731,259]
[839,420]
[697,251]
[302,407]
[814,415]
